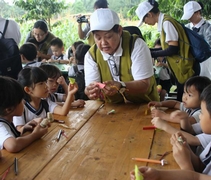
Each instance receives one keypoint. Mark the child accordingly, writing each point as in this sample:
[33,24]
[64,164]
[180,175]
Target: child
[184,157]
[70,53]
[28,53]
[189,108]
[174,174]
[76,71]
[55,79]
[57,48]
[33,81]
[11,98]
[164,76]
[201,140]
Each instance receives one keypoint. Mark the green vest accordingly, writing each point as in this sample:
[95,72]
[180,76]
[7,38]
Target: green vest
[90,39]
[46,45]
[182,63]
[125,72]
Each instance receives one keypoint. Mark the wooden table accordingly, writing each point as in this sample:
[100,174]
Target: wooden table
[98,146]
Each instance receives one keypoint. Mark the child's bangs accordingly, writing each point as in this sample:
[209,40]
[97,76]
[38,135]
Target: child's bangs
[38,75]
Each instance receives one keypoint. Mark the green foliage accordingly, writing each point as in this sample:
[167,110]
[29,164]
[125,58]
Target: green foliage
[40,9]
[8,11]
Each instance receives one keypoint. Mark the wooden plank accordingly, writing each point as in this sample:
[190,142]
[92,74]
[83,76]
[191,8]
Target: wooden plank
[161,144]
[104,146]
[35,157]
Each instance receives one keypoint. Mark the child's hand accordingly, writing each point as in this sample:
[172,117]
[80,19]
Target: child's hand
[72,88]
[157,113]
[79,103]
[159,123]
[51,61]
[181,151]
[154,103]
[147,172]
[178,115]
[29,126]
[39,131]
[61,81]
[44,60]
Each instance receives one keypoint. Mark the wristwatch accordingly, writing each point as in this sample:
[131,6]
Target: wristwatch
[122,87]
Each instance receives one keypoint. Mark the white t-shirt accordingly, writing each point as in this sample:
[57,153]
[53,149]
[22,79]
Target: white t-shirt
[13,30]
[169,29]
[205,157]
[5,133]
[141,68]
[192,112]
[61,57]
[30,113]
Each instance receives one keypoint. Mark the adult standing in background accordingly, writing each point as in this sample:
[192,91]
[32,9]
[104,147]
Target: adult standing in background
[13,30]
[43,38]
[192,11]
[118,60]
[83,33]
[178,55]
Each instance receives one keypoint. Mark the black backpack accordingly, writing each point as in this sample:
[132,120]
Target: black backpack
[199,48]
[134,30]
[79,78]
[10,60]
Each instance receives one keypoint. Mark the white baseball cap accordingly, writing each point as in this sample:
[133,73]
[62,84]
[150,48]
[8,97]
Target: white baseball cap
[142,9]
[189,9]
[103,19]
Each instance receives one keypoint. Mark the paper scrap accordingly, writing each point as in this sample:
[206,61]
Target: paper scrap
[72,80]
[111,112]
[138,175]
[101,85]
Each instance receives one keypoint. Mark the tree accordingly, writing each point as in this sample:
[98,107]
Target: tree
[40,9]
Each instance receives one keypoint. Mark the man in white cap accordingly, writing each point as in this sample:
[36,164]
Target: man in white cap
[192,12]
[121,62]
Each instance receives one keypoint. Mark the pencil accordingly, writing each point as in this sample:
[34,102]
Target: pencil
[147,160]
[149,127]
[16,166]
[59,135]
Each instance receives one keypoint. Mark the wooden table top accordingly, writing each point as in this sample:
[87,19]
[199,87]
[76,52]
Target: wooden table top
[98,146]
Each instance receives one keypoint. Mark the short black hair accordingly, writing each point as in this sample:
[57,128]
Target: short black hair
[41,24]
[80,52]
[11,94]
[101,4]
[51,71]
[30,76]
[57,42]
[206,97]
[29,51]
[199,82]
[77,43]
[155,5]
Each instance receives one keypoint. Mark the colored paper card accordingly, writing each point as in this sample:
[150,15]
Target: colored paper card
[101,85]
[72,80]
[138,175]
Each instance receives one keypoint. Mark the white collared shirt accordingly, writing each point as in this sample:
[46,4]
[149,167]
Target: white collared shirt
[197,25]
[169,29]
[141,67]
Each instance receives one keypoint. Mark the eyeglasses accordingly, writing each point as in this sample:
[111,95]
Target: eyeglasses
[113,66]
[39,35]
